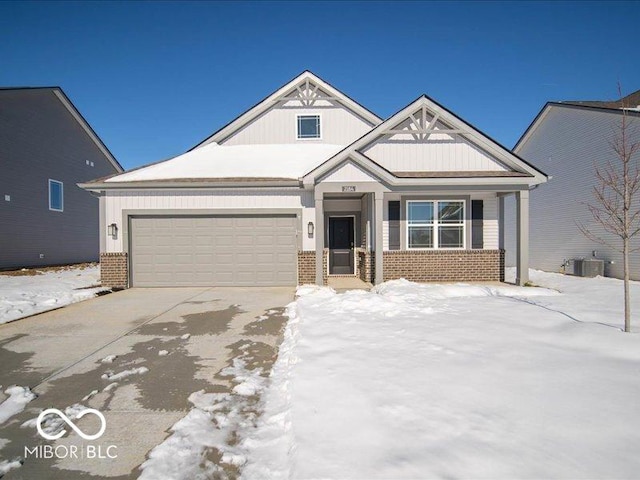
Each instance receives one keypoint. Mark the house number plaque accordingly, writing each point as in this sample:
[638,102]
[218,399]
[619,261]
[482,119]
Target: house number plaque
[349,188]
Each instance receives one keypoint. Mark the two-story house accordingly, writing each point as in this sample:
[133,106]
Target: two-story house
[46,148]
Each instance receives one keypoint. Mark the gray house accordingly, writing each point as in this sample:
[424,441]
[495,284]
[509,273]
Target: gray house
[46,148]
[566,140]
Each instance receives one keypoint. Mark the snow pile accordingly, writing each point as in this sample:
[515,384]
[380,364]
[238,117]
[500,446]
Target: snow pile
[109,359]
[7,465]
[455,381]
[21,296]
[18,399]
[290,161]
[114,377]
[213,424]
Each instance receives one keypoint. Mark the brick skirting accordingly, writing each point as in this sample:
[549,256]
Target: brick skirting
[307,267]
[365,266]
[444,265]
[114,270]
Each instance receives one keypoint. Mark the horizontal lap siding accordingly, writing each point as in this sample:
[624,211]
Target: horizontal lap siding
[41,140]
[565,146]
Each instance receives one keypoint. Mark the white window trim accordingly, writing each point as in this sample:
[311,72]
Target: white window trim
[314,114]
[61,195]
[436,224]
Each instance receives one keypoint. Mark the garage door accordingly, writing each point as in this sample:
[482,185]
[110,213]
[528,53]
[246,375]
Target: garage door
[213,250]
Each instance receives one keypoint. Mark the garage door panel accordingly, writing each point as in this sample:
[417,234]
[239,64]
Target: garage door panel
[217,250]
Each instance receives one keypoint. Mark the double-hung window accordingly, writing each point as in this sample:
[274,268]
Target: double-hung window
[435,224]
[56,196]
[308,126]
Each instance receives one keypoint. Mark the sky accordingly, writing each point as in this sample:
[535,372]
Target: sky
[155,78]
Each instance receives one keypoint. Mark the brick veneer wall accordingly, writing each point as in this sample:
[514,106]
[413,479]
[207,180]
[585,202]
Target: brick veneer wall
[307,267]
[444,265]
[365,266]
[114,270]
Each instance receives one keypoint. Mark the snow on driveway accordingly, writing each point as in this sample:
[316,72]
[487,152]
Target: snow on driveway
[454,381]
[24,295]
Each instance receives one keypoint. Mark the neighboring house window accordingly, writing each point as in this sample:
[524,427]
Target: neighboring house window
[308,126]
[56,196]
[435,224]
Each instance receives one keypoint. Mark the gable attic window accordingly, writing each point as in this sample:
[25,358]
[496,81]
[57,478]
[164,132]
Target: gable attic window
[308,126]
[56,196]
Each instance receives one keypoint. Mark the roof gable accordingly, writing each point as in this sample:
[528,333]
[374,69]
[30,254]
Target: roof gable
[77,116]
[305,90]
[426,120]
[582,106]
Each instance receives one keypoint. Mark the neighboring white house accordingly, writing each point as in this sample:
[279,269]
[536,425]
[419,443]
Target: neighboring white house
[309,184]
[566,140]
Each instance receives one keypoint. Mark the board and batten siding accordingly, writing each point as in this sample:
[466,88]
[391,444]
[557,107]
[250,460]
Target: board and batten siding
[338,126]
[490,223]
[458,155]
[565,145]
[233,199]
[41,140]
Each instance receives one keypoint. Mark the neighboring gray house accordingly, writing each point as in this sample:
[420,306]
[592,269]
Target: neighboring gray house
[566,140]
[308,185]
[46,148]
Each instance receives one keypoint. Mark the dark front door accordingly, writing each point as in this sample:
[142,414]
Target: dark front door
[341,245]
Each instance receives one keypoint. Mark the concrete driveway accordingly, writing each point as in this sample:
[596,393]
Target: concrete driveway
[64,356]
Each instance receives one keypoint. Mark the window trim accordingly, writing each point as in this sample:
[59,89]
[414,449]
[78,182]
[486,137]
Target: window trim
[435,224]
[51,181]
[319,137]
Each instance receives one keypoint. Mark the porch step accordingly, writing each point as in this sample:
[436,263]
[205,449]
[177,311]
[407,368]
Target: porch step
[342,284]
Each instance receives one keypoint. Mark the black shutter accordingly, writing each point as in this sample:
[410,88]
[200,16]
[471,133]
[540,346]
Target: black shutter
[477,239]
[394,225]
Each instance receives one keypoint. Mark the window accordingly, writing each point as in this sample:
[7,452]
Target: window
[56,196]
[435,224]
[308,126]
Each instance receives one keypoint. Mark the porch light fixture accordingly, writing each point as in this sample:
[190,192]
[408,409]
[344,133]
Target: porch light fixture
[112,230]
[310,229]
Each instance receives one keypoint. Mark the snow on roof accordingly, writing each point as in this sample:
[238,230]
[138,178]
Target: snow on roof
[290,161]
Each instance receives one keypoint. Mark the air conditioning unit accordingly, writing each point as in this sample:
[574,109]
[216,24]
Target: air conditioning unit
[588,267]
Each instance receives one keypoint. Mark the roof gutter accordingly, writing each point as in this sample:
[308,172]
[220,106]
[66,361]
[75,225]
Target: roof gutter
[97,186]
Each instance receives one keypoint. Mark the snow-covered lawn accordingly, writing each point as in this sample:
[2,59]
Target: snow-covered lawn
[24,295]
[454,381]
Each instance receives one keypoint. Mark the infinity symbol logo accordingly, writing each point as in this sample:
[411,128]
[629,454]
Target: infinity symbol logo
[44,413]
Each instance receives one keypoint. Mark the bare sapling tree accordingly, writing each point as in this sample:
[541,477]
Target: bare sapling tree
[616,204]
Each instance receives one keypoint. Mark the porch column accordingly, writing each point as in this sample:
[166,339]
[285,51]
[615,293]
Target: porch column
[378,196]
[501,232]
[522,237]
[319,238]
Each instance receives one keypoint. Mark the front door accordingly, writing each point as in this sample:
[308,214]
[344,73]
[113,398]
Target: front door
[341,232]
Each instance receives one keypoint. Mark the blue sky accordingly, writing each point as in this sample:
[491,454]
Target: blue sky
[154,79]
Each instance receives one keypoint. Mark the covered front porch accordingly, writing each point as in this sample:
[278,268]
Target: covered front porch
[363,231]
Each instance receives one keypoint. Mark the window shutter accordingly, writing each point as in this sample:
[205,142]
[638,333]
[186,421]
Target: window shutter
[394,225]
[477,239]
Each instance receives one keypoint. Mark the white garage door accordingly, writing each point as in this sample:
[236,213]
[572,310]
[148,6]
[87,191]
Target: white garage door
[251,250]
